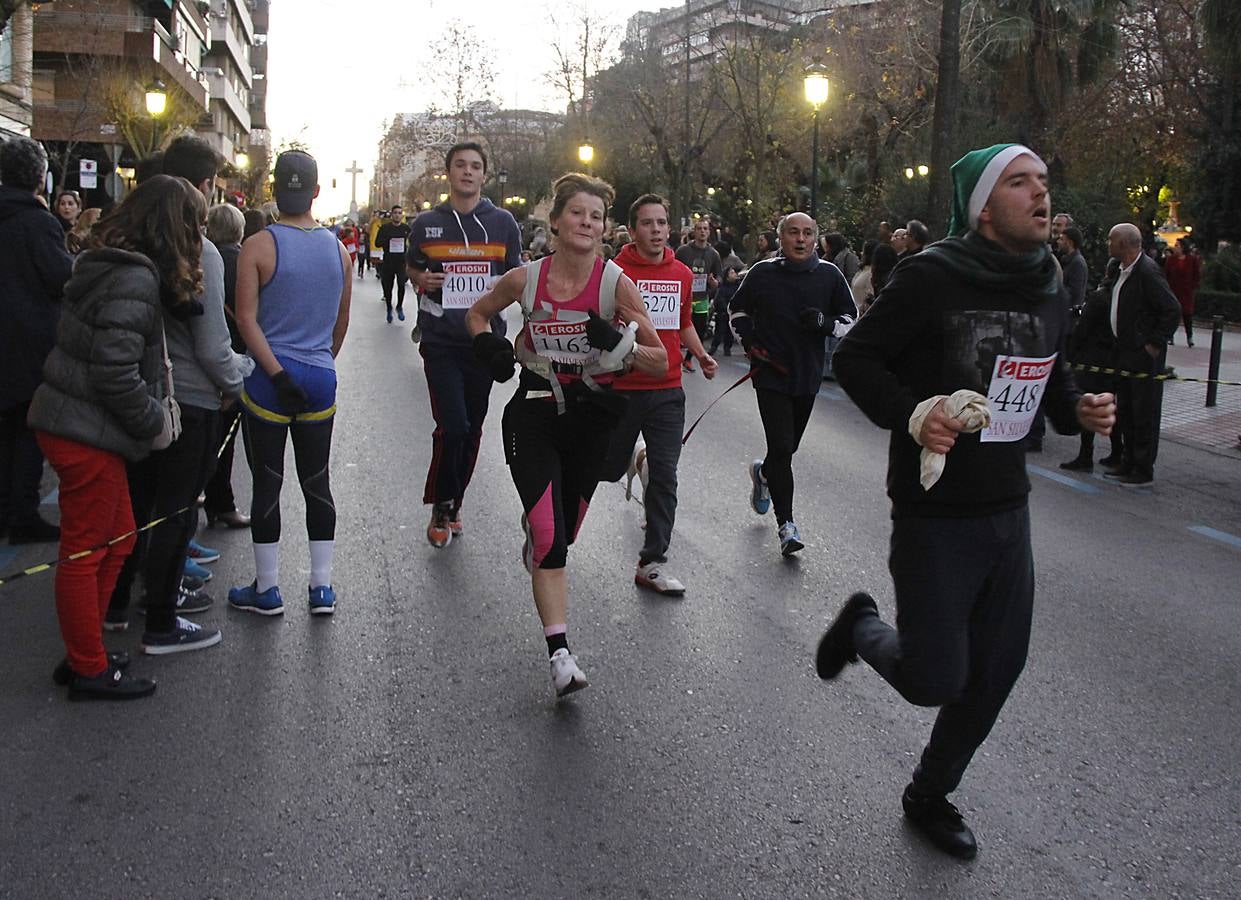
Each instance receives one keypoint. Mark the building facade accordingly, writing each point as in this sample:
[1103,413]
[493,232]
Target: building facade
[16,55]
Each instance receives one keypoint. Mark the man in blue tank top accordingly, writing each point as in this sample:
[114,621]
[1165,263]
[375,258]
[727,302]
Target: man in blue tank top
[455,252]
[293,290]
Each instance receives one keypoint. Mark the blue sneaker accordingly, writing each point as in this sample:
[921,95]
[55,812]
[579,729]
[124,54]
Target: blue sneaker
[400,314]
[389,315]
[760,497]
[194,569]
[202,555]
[322,600]
[251,599]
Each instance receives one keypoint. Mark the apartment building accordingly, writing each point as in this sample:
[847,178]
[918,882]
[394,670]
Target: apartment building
[16,55]
[236,68]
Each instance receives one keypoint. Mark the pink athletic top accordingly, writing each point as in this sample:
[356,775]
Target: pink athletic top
[557,328]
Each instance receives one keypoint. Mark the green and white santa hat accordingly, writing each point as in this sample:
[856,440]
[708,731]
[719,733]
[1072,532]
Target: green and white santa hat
[973,179]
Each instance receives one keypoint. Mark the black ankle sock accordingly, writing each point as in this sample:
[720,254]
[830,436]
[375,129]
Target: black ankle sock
[556,642]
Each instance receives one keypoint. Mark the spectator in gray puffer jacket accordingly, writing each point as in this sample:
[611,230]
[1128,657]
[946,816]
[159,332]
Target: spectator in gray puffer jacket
[98,407]
[34,267]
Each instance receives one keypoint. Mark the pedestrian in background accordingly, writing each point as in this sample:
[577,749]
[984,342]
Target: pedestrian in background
[1183,269]
[225,228]
[67,207]
[100,406]
[34,267]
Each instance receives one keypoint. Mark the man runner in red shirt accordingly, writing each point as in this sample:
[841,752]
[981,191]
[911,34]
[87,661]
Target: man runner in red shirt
[656,407]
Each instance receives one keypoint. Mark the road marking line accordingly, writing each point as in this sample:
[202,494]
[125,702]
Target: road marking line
[1216,534]
[1063,479]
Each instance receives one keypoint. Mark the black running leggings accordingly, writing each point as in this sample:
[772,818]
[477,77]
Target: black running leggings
[784,422]
[386,277]
[312,448]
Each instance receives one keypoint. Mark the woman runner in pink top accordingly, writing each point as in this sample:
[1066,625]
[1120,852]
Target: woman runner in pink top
[556,435]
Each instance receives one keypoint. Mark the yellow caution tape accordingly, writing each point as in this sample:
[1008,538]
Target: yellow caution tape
[81,554]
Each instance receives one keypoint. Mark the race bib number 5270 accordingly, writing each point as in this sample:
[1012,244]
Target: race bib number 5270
[1017,386]
[663,302]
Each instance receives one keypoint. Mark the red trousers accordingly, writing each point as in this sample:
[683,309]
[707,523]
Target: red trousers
[94,509]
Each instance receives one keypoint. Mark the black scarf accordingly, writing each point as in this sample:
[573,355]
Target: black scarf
[981,262]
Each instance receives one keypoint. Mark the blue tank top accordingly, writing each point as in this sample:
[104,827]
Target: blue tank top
[299,305]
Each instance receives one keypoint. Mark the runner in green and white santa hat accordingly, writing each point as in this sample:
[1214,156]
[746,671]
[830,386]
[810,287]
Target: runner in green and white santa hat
[974,176]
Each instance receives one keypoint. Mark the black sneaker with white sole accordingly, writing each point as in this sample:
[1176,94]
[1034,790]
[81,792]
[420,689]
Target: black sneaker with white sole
[184,636]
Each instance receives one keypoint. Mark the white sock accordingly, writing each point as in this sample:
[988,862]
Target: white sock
[266,565]
[321,563]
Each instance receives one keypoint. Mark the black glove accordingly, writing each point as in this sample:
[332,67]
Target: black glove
[289,393]
[600,334]
[496,354]
[811,319]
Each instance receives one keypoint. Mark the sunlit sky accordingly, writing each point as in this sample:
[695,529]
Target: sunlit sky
[338,71]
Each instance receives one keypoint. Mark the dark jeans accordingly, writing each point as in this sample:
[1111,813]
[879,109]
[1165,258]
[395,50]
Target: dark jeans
[1139,411]
[660,417]
[701,321]
[21,468]
[460,389]
[312,452]
[723,332]
[219,492]
[361,263]
[784,422]
[167,483]
[964,599]
[386,277]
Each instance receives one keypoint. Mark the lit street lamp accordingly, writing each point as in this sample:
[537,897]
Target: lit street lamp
[243,160]
[586,153]
[157,102]
[502,178]
[816,85]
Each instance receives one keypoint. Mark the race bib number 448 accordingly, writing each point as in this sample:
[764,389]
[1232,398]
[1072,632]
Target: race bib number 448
[464,282]
[663,302]
[1017,386]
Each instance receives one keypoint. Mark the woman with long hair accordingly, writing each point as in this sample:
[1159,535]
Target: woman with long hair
[167,483]
[557,426]
[67,207]
[99,407]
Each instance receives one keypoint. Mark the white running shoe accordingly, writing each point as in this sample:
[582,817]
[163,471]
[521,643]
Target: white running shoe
[566,676]
[651,575]
[637,469]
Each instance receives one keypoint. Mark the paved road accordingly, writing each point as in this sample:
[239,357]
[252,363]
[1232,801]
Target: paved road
[411,746]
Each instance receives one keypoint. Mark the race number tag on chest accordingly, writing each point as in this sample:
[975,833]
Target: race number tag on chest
[464,282]
[700,282]
[561,339]
[396,245]
[1017,386]
[663,302]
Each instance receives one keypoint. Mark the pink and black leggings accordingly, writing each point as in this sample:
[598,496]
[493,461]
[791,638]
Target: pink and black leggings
[555,461]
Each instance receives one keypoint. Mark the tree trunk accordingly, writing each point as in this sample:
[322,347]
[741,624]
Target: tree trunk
[944,122]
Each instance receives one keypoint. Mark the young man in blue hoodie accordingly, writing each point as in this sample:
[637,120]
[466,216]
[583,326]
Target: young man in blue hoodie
[456,251]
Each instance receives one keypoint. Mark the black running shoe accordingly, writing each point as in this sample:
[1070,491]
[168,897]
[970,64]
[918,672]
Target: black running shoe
[836,647]
[940,822]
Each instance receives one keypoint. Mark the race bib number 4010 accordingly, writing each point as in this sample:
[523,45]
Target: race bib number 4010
[1017,386]
[663,302]
[464,282]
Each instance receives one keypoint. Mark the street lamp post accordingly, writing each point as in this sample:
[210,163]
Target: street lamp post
[502,178]
[586,153]
[157,102]
[816,86]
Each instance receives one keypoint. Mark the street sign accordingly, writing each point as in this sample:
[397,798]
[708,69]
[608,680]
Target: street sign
[88,172]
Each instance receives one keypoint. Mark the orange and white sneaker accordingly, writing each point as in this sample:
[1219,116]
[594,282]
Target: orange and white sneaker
[652,575]
[439,532]
[454,522]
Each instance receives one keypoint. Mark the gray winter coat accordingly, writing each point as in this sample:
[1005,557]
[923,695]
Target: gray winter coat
[100,382]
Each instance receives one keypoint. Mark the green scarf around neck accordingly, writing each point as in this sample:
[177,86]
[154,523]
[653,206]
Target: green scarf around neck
[985,264]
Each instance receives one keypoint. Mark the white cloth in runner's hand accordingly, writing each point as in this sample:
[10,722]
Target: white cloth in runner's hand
[967,407]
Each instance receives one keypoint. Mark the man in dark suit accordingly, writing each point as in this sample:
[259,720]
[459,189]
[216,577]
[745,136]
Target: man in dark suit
[1143,314]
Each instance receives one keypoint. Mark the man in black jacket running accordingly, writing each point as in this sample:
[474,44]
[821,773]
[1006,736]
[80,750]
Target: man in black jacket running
[981,311]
